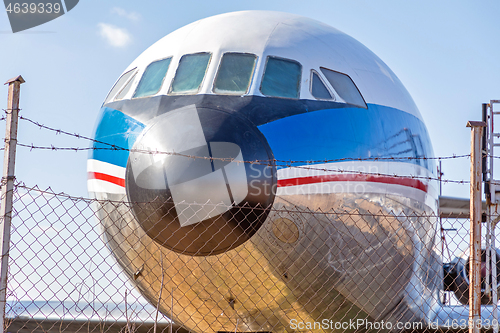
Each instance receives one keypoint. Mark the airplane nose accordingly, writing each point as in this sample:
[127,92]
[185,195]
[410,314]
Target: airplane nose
[200,181]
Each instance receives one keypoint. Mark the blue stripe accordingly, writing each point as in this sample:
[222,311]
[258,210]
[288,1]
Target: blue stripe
[331,134]
[118,129]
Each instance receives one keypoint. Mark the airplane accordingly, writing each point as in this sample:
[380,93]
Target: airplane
[252,171]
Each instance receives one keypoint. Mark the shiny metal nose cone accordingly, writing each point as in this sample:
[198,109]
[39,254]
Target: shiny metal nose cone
[200,181]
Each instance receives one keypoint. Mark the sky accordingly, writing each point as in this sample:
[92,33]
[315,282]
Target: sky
[445,52]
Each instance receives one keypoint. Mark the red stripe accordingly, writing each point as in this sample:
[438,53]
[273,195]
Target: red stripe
[107,178]
[415,183]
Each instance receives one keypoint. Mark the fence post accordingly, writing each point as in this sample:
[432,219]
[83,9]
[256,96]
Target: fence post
[8,187]
[475,226]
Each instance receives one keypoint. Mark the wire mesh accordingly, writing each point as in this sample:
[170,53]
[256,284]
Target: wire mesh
[80,264]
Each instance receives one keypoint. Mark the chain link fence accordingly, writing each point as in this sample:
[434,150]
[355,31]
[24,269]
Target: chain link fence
[87,265]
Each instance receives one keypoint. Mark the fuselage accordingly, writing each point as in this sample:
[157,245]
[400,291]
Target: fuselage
[265,160]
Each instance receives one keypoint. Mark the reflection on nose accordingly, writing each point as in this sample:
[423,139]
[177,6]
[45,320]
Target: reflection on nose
[219,184]
[203,174]
[192,166]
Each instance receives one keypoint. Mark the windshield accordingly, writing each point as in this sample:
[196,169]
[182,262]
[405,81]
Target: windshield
[153,77]
[235,73]
[281,78]
[190,73]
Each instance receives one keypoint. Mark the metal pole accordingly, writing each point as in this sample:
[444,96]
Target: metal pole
[491,144]
[8,187]
[484,111]
[489,255]
[475,227]
[494,294]
[172,311]
[492,210]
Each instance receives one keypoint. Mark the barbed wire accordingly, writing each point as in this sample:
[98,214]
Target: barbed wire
[229,159]
[274,162]
[76,135]
[76,149]
[115,147]
[9,111]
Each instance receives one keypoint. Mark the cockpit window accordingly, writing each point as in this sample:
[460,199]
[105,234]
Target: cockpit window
[345,87]
[119,84]
[281,78]
[190,73]
[235,73]
[153,77]
[126,89]
[318,88]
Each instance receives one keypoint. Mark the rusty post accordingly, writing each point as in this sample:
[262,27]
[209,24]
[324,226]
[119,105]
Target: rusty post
[475,226]
[8,187]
